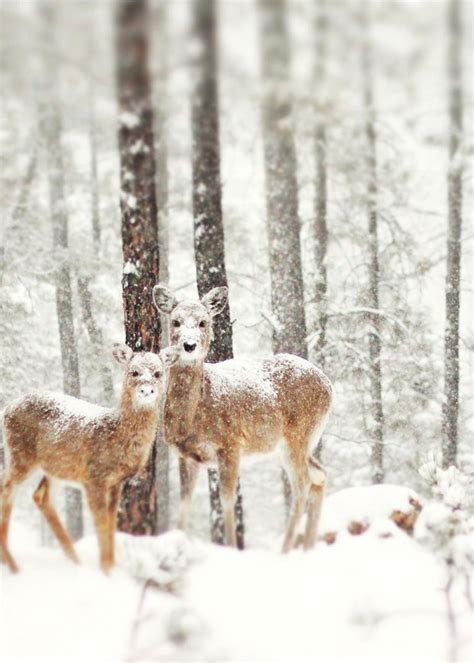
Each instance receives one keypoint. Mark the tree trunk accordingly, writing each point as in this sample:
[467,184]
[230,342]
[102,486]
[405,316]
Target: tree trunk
[289,329]
[375,343]
[286,274]
[320,226]
[207,210]
[162,182]
[138,512]
[51,129]
[453,266]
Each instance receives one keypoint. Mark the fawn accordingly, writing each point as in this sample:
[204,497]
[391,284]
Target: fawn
[94,446]
[216,413]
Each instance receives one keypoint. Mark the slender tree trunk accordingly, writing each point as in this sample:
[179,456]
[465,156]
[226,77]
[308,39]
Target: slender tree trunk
[138,512]
[50,121]
[207,209]
[162,182]
[453,265]
[320,225]
[94,171]
[375,343]
[286,273]
[289,330]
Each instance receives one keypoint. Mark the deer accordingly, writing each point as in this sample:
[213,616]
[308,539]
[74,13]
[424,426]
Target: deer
[96,447]
[216,414]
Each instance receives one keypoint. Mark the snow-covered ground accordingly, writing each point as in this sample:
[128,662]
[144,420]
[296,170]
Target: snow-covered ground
[365,598]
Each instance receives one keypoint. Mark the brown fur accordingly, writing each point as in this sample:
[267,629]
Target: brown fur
[219,412]
[99,452]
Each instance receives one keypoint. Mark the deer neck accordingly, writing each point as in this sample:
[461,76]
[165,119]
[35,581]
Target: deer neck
[136,423]
[184,396]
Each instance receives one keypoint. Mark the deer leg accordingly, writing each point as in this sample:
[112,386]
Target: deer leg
[114,498]
[42,498]
[99,502]
[297,471]
[228,477]
[315,501]
[188,472]
[7,495]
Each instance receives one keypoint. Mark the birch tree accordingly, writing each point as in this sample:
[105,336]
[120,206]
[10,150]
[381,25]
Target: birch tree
[138,513]
[207,210]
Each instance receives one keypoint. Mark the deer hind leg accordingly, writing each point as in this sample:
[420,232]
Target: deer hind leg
[297,470]
[228,479]
[188,472]
[7,495]
[315,501]
[42,498]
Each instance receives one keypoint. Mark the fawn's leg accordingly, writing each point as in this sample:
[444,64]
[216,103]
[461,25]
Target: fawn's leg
[42,498]
[114,499]
[7,496]
[315,501]
[228,478]
[98,497]
[188,472]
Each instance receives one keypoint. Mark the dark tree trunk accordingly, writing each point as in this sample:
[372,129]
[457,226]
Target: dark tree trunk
[207,209]
[50,121]
[320,225]
[453,266]
[162,181]
[289,328]
[138,512]
[375,343]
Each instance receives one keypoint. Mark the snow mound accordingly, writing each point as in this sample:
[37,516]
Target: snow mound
[357,509]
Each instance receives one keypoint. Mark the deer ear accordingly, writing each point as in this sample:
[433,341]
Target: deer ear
[164,299]
[170,355]
[122,353]
[215,300]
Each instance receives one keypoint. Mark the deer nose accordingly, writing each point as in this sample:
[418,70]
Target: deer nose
[146,390]
[189,347]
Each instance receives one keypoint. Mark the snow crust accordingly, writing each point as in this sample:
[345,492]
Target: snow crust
[240,375]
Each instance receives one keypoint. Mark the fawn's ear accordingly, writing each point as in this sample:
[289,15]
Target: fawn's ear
[215,300]
[122,353]
[170,355]
[164,299]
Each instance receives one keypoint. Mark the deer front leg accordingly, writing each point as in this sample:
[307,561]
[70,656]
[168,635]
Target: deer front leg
[99,501]
[188,472]
[228,464]
[114,499]
[7,494]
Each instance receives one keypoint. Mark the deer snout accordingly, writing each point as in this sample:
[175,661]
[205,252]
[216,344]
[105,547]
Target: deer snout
[146,390]
[189,347]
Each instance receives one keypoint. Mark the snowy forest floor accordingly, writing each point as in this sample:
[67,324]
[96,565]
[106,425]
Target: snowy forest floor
[173,598]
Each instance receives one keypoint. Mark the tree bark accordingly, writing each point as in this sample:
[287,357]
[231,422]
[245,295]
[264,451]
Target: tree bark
[453,264]
[289,330]
[375,343]
[207,210]
[138,511]
[50,121]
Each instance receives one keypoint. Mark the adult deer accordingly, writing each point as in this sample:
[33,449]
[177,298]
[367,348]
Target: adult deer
[216,413]
[94,446]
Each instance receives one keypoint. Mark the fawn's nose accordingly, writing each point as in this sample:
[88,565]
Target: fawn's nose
[189,347]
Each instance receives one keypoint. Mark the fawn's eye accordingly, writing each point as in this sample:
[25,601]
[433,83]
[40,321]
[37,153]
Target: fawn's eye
[176,323]
[157,374]
[135,374]
[202,323]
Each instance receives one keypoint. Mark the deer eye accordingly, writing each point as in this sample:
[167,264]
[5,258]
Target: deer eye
[176,323]
[202,323]
[157,374]
[135,374]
